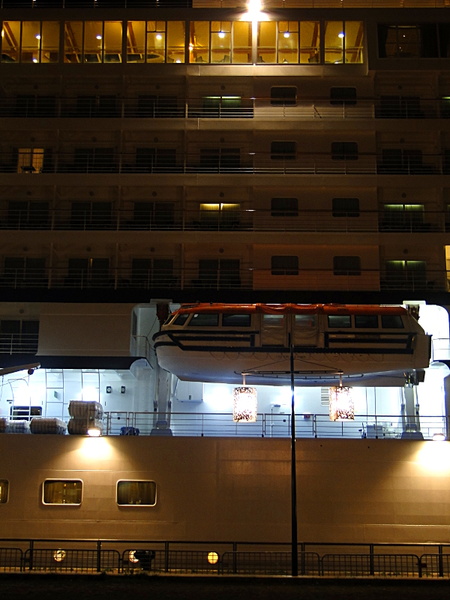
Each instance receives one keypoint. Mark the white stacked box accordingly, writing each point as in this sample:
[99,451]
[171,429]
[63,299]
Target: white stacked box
[47,425]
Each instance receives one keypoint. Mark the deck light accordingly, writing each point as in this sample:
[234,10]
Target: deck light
[341,403]
[245,404]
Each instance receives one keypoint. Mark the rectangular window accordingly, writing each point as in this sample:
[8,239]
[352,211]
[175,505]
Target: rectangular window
[347,265]
[403,217]
[222,273]
[366,321]
[345,207]
[30,160]
[283,150]
[284,265]
[19,337]
[236,320]
[62,491]
[283,96]
[341,321]
[136,493]
[343,95]
[204,320]
[344,151]
[4,491]
[284,207]
[392,322]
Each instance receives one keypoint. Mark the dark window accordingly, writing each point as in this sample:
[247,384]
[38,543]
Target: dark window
[284,265]
[392,322]
[91,272]
[343,95]
[283,150]
[204,320]
[23,214]
[345,207]
[222,273]
[346,265]
[181,319]
[220,159]
[236,320]
[91,215]
[284,207]
[150,160]
[146,272]
[153,215]
[366,321]
[20,271]
[400,107]
[19,337]
[283,96]
[406,274]
[94,160]
[339,321]
[344,150]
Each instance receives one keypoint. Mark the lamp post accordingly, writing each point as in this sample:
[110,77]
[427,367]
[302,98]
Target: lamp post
[294,541]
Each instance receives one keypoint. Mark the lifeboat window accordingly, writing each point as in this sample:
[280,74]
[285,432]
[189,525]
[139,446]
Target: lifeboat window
[236,320]
[305,321]
[366,321]
[339,321]
[392,322]
[136,493]
[4,489]
[204,320]
[181,319]
[62,491]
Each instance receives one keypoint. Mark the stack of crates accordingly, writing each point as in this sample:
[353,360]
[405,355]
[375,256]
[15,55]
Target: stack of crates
[84,416]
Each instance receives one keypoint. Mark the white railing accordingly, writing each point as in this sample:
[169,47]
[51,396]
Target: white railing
[190,424]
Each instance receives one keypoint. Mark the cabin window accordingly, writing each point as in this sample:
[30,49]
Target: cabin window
[344,150]
[236,320]
[283,150]
[181,319]
[204,320]
[284,207]
[347,265]
[305,321]
[345,207]
[284,265]
[392,321]
[283,96]
[4,490]
[339,321]
[62,491]
[136,493]
[366,321]
[343,95]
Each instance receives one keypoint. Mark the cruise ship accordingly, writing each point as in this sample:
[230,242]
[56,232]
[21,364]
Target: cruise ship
[163,153]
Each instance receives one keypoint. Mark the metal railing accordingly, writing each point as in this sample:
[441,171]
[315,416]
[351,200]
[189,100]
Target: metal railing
[261,108]
[170,217]
[274,425]
[245,278]
[98,4]
[315,559]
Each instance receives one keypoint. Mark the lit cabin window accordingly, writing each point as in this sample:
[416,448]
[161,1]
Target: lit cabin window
[366,321]
[236,320]
[4,490]
[62,491]
[392,322]
[204,320]
[339,321]
[136,493]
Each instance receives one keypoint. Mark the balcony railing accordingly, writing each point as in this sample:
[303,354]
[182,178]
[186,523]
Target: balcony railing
[246,278]
[274,425]
[97,4]
[261,108]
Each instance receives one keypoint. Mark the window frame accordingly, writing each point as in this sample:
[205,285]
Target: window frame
[62,480]
[136,504]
